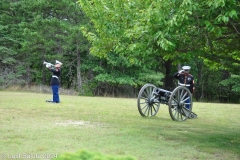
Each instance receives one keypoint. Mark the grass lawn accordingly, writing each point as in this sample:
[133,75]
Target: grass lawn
[113,126]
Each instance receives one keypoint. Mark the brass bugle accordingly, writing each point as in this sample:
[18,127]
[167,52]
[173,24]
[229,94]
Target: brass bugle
[49,64]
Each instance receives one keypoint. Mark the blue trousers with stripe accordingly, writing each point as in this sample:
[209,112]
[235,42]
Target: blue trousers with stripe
[188,105]
[55,89]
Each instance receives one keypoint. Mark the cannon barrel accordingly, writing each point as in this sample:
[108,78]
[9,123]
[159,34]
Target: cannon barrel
[162,94]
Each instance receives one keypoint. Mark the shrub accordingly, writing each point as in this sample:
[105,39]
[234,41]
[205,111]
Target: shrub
[86,155]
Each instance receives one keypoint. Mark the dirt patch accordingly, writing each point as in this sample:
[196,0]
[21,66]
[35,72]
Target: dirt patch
[81,123]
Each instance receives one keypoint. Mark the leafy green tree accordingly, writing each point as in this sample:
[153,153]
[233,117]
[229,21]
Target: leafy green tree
[231,88]
[133,42]
[176,31]
[113,37]
[9,44]
[6,41]
[114,73]
[234,82]
[43,30]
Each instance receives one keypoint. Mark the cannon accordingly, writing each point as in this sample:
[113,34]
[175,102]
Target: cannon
[179,102]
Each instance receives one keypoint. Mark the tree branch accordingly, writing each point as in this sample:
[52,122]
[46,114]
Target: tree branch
[235,28]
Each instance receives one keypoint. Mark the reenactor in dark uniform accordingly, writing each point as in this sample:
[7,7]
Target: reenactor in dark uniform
[185,79]
[55,82]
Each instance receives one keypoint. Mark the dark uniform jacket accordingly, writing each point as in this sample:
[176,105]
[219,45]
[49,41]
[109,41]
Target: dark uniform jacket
[55,76]
[185,80]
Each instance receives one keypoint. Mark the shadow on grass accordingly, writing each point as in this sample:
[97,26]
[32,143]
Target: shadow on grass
[206,137]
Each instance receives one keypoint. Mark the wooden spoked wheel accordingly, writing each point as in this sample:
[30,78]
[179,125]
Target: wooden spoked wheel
[148,104]
[180,104]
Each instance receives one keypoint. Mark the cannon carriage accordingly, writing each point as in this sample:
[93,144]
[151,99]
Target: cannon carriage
[179,102]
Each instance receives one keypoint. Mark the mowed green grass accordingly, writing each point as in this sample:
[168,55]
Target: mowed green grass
[113,126]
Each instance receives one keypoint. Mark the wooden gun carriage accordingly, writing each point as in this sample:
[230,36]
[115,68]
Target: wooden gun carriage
[179,102]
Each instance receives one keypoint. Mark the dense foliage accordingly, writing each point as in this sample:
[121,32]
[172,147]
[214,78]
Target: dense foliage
[200,33]
[131,43]
[176,30]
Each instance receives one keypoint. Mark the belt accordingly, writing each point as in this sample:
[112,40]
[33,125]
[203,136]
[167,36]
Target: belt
[188,85]
[55,76]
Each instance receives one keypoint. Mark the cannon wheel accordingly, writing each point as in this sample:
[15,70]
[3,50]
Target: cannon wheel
[180,98]
[148,105]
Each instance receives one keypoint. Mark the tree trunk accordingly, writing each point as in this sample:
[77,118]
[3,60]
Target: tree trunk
[79,78]
[28,75]
[168,81]
[43,70]
[198,84]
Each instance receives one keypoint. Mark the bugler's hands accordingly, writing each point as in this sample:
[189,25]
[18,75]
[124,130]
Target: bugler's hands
[48,65]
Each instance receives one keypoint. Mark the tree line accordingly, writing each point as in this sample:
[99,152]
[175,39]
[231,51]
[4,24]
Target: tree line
[112,48]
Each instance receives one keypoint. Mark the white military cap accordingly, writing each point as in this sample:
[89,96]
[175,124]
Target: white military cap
[58,62]
[186,67]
